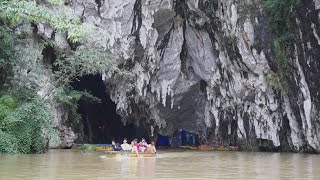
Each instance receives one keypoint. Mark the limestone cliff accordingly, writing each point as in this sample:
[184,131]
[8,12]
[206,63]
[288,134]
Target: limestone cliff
[203,65]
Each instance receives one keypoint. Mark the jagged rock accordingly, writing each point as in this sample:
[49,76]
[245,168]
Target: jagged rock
[202,66]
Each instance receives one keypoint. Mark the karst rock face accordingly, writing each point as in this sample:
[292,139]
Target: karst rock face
[203,65]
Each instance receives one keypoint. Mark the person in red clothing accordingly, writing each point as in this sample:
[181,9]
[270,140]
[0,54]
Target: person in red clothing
[135,147]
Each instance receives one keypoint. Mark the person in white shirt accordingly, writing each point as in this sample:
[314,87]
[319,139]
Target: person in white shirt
[125,146]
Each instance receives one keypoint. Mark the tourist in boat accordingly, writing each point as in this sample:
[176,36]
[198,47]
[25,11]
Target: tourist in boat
[125,146]
[115,146]
[135,147]
[151,148]
[143,145]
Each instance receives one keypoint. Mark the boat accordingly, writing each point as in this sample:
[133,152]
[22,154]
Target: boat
[219,148]
[98,147]
[190,147]
[210,148]
[128,154]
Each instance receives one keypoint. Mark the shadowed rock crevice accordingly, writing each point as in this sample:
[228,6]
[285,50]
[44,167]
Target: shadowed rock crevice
[99,4]
[135,31]
[100,122]
[49,57]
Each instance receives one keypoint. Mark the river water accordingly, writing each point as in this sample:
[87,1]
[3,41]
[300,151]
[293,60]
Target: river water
[69,164]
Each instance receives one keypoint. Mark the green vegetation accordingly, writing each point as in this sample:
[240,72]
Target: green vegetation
[27,87]
[20,11]
[280,12]
[21,125]
[68,98]
[246,145]
[88,148]
[83,61]
[25,118]
[208,7]
[86,61]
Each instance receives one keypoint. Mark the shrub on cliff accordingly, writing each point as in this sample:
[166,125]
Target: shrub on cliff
[88,148]
[280,12]
[24,117]
[22,124]
[31,83]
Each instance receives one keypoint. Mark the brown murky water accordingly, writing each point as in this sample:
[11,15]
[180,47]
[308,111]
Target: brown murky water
[68,164]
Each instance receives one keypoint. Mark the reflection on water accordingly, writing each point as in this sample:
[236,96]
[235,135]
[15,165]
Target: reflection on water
[136,167]
[68,164]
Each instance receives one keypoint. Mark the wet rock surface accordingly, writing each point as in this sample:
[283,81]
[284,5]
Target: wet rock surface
[202,66]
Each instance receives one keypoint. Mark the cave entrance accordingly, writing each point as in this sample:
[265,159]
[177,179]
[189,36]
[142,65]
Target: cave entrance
[100,121]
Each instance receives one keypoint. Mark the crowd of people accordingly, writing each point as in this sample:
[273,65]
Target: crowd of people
[135,146]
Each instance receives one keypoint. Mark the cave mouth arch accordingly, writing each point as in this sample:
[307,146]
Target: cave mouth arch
[100,123]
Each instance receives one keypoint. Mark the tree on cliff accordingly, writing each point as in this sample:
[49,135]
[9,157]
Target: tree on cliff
[23,115]
[23,105]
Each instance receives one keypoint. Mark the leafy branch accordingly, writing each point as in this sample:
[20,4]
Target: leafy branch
[280,12]
[19,11]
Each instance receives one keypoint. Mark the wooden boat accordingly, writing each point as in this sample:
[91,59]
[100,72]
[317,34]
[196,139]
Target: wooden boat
[128,154]
[220,149]
[189,147]
[98,147]
[210,148]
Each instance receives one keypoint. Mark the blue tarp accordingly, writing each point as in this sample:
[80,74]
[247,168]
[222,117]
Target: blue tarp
[163,141]
[185,138]
[181,138]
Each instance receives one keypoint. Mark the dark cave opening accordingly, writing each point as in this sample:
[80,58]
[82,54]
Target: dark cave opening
[100,121]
